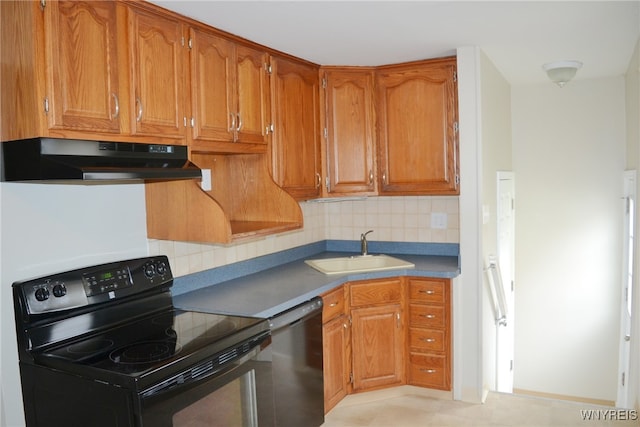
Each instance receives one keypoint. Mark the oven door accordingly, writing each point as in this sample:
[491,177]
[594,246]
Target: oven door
[241,394]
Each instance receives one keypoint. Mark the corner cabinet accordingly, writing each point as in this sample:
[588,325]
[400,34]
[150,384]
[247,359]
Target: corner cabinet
[417,128]
[296,134]
[349,135]
[377,333]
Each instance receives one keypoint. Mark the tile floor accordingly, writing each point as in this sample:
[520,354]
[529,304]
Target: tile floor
[414,410]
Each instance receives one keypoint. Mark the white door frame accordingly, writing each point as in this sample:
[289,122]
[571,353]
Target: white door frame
[505,238]
[627,284]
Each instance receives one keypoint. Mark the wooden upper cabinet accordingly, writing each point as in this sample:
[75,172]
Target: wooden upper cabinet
[417,121]
[82,59]
[229,94]
[296,142]
[350,131]
[156,46]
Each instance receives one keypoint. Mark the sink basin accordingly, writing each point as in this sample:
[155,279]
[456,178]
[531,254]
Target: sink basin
[358,264]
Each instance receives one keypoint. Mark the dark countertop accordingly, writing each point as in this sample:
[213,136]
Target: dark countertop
[275,287]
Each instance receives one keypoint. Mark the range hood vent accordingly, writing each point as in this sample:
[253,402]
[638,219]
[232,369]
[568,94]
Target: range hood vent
[83,161]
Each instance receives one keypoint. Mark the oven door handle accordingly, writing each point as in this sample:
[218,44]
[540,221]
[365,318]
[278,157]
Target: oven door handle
[195,376]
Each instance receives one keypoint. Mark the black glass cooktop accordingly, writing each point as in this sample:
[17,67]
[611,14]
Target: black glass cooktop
[152,343]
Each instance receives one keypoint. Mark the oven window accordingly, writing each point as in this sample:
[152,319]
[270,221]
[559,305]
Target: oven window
[234,404]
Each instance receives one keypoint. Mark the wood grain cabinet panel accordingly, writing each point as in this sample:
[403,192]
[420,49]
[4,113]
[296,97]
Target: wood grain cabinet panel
[417,132]
[156,47]
[378,347]
[229,94]
[336,333]
[349,119]
[296,136]
[82,57]
[429,342]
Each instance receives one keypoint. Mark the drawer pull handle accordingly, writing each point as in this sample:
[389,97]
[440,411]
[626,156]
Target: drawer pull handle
[428,371]
[333,304]
[428,292]
[430,316]
[429,339]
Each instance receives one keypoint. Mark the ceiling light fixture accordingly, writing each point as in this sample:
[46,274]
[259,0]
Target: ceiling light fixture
[560,72]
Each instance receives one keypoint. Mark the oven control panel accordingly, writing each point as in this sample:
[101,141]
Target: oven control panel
[94,285]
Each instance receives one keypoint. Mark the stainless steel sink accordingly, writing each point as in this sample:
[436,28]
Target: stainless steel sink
[358,264]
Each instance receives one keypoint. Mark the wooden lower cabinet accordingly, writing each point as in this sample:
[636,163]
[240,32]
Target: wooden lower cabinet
[378,347]
[386,332]
[337,366]
[429,362]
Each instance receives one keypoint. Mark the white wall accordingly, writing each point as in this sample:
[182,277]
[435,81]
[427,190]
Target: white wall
[632,85]
[496,156]
[568,156]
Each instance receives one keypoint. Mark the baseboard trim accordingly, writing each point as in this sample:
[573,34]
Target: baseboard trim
[555,396]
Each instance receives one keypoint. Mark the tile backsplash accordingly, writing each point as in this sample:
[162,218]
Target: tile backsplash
[394,219]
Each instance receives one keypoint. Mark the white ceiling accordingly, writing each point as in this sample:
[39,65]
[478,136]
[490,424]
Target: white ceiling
[518,36]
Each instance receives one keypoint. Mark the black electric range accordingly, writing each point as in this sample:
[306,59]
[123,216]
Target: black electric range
[110,332]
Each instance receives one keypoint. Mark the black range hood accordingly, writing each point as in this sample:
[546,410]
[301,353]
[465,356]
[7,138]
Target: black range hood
[83,161]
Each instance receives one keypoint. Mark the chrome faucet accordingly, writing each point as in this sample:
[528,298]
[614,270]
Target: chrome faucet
[364,247]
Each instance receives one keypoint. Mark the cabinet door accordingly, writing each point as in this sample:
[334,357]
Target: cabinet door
[417,106]
[378,347]
[252,96]
[296,148]
[157,59]
[350,120]
[335,338]
[82,66]
[212,83]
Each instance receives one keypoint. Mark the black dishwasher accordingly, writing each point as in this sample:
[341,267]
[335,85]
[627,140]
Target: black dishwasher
[297,365]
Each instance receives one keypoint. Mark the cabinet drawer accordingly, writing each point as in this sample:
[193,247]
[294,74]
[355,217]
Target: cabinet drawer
[429,370]
[427,340]
[375,292]
[431,291]
[427,316]
[333,304]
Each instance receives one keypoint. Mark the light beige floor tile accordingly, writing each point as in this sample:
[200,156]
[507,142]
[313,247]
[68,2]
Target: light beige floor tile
[499,410]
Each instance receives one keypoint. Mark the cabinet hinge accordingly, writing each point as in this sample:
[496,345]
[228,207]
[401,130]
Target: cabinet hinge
[457,180]
[46,105]
[456,127]
[455,76]
[267,68]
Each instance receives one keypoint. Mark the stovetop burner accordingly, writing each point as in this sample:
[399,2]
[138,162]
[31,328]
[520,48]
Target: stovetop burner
[154,343]
[144,352]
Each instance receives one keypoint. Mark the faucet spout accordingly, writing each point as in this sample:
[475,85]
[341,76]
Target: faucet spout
[364,246]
